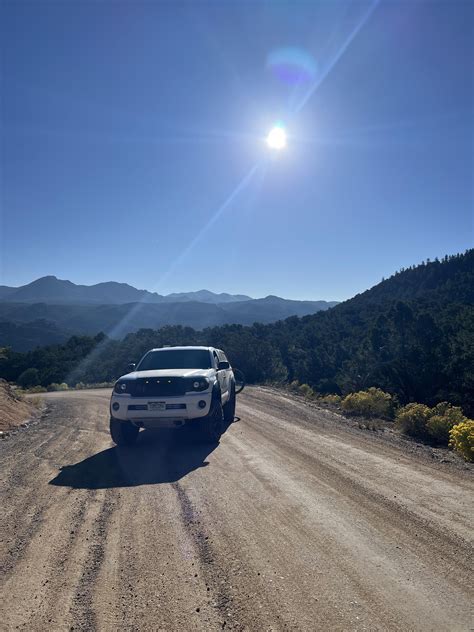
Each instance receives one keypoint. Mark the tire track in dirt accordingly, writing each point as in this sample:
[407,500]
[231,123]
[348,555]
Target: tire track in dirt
[41,570]
[82,608]
[216,576]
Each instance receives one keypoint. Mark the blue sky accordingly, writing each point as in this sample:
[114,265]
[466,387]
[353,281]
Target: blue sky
[133,143]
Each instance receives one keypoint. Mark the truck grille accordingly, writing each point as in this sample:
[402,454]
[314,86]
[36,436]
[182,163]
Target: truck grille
[159,387]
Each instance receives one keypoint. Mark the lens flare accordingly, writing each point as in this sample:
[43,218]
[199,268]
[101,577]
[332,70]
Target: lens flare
[276,138]
[292,65]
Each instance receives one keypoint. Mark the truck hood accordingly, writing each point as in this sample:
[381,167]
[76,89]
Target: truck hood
[170,373]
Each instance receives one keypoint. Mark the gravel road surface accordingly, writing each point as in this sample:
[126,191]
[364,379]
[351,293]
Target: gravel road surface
[293,522]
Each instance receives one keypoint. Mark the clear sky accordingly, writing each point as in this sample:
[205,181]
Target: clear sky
[133,143]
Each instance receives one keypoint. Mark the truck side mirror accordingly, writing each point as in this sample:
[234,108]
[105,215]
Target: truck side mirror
[222,366]
[131,367]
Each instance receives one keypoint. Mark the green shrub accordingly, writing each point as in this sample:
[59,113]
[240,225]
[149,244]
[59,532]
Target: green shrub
[29,378]
[371,403]
[438,428]
[58,387]
[453,413]
[462,439]
[294,386]
[412,420]
[443,417]
[81,385]
[36,389]
[306,390]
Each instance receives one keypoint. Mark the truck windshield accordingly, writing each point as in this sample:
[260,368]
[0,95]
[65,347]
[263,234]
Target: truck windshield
[175,359]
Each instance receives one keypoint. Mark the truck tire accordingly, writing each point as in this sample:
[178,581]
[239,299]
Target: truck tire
[229,407]
[212,425]
[123,432]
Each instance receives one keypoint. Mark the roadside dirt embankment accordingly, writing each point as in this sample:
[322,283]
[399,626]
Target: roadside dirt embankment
[14,411]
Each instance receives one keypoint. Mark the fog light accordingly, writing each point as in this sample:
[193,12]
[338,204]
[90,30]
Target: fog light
[115,406]
[202,404]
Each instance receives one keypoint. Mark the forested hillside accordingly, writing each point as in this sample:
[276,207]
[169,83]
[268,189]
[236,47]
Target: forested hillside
[411,335]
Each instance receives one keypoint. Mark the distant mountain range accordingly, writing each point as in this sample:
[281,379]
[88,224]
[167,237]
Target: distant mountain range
[50,310]
[54,291]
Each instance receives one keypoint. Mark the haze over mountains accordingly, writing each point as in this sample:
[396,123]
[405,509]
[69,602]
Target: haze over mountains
[50,310]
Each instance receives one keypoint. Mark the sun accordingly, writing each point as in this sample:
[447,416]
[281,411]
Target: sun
[276,138]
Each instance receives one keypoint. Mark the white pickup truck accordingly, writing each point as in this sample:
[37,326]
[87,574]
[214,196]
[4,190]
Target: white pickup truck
[173,387]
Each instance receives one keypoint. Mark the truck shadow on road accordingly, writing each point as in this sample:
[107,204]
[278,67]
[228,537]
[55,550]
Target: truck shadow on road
[157,457]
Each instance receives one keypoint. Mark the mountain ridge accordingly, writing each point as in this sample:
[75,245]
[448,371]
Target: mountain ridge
[50,289]
[62,308]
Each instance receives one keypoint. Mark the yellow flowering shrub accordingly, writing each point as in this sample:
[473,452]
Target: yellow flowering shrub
[462,439]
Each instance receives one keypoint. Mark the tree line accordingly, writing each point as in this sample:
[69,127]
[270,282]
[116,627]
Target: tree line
[412,336]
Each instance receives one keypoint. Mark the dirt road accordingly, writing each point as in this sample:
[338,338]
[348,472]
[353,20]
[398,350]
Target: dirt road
[293,522]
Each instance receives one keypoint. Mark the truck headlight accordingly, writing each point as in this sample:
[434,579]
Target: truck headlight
[123,386]
[199,384]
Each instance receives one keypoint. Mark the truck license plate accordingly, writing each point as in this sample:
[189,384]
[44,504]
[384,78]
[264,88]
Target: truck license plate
[156,405]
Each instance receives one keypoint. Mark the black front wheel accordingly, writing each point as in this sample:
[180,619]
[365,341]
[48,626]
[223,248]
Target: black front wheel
[123,432]
[229,407]
[212,425]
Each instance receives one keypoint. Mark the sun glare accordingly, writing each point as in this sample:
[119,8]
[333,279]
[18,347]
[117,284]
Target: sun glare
[276,138]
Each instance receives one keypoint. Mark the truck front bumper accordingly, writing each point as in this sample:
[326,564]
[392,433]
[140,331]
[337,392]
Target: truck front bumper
[159,412]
